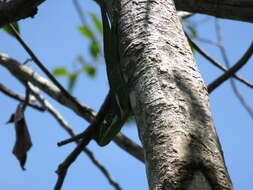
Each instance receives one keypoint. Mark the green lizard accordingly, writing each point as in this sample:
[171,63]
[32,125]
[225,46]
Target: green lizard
[115,109]
[119,109]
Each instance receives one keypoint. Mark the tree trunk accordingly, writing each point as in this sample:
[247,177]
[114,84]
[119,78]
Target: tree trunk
[169,99]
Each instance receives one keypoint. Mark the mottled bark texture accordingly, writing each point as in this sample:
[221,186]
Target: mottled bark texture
[169,99]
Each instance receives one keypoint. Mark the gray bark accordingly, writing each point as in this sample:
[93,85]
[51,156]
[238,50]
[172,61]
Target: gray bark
[15,10]
[169,99]
[241,10]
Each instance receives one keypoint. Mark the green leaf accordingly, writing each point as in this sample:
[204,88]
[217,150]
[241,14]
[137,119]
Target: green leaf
[9,30]
[60,71]
[90,71]
[96,22]
[94,49]
[86,32]
[72,81]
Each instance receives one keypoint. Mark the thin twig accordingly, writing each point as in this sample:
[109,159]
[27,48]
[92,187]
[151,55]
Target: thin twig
[79,12]
[24,74]
[89,133]
[207,41]
[64,124]
[59,118]
[19,97]
[63,168]
[27,96]
[43,68]
[102,169]
[131,147]
[214,62]
[121,140]
[36,60]
[71,139]
[226,61]
[232,70]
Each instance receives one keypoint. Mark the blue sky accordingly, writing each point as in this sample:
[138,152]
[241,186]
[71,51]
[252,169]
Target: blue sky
[54,37]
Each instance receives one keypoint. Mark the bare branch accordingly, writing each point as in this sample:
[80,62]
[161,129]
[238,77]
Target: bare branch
[44,69]
[121,140]
[102,169]
[237,10]
[79,12]
[64,124]
[232,70]
[241,10]
[207,41]
[69,140]
[17,9]
[63,168]
[89,134]
[226,61]
[24,74]
[214,62]
[130,147]
[19,97]
[59,118]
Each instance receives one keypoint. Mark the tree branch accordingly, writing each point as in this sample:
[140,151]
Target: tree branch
[226,61]
[59,118]
[102,169]
[79,12]
[16,10]
[64,124]
[241,10]
[232,70]
[19,97]
[24,73]
[63,168]
[214,62]
[129,146]
[63,91]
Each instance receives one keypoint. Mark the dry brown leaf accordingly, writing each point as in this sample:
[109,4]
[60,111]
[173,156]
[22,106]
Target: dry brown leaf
[23,140]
